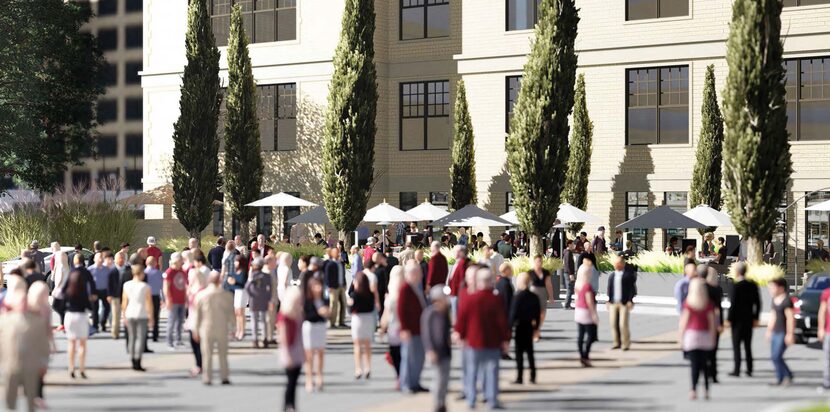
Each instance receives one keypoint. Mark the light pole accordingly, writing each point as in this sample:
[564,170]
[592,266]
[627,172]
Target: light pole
[784,210]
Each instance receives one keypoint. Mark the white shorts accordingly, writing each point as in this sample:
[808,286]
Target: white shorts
[363,326]
[76,325]
[240,299]
[314,335]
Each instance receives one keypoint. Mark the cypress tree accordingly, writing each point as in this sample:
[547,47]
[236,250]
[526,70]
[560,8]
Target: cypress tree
[243,154]
[756,151]
[195,171]
[349,137]
[537,144]
[706,179]
[579,162]
[463,168]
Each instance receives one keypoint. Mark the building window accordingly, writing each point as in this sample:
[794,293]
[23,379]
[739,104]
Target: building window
[679,202]
[134,5]
[107,7]
[286,133]
[808,98]
[133,145]
[636,204]
[107,146]
[790,3]
[107,110]
[817,225]
[514,84]
[655,9]
[108,179]
[522,14]
[80,180]
[658,105]
[421,19]
[408,200]
[134,110]
[133,37]
[425,115]
[131,73]
[509,201]
[111,74]
[440,199]
[289,213]
[264,218]
[108,39]
[277,114]
[264,20]
[132,179]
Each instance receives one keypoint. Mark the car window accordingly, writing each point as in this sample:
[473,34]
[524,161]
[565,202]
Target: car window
[819,282]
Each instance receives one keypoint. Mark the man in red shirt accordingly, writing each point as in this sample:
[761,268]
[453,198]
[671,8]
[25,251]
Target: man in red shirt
[175,292]
[482,325]
[437,269]
[456,280]
[154,251]
[411,304]
[368,251]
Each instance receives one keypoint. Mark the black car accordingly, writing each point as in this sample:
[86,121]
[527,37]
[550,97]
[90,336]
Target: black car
[806,306]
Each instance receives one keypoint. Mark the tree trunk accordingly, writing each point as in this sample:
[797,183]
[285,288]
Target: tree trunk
[245,230]
[754,251]
[536,245]
[197,234]
[345,238]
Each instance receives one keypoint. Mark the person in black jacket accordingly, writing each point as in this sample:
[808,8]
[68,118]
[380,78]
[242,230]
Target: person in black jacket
[524,316]
[504,285]
[622,287]
[335,281]
[215,254]
[743,315]
[716,297]
[569,270]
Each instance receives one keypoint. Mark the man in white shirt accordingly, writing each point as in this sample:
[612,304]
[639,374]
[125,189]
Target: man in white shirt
[491,258]
[622,287]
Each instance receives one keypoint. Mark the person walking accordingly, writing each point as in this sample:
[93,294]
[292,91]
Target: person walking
[411,305]
[715,292]
[284,276]
[698,333]
[270,269]
[101,305]
[175,294]
[780,330]
[524,320]
[363,302]
[290,346]
[60,274]
[585,313]
[681,288]
[390,323]
[437,267]
[335,275]
[213,317]
[259,294]
[236,282]
[316,312]
[77,302]
[541,286]
[197,277]
[155,279]
[622,288]
[37,302]
[215,254]
[137,308]
[114,291]
[744,312]
[435,334]
[598,244]
[569,271]
[456,280]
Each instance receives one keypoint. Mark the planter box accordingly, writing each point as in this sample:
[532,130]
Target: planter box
[648,283]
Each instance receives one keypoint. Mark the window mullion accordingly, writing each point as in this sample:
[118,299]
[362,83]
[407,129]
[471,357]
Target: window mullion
[426,115]
[657,102]
[426,24]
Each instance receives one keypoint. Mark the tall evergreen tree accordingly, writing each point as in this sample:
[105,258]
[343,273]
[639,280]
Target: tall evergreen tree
[463,168]
[537,144]
[706,179]
[51,74]
[196,145]
[579,162]
[756,151]
[349,140]
[243,153]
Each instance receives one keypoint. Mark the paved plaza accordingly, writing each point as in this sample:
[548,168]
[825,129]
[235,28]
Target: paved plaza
[651,376]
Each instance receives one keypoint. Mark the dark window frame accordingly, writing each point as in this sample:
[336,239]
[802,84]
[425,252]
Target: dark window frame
[130,37]
[507,101]
[798,3]
[107,141]
[289,112]
[401,199]
[628,216]
[507,16]
[659,2]
[134,6]
[279,5]
[658,104]
[129,106]
[129,141]
[681,233]
[426,116]
[108,31]
[128,66]
[799,95]
[445,204]
[426,5]
[110,11]
[106,103]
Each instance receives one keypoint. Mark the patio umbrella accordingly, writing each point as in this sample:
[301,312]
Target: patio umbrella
[476,221]
[662,217]
[384,214]
[821,207]
[571,214]
[466,214]
[315,216]
[709,216]
[511,217]
[281,199]
[427,212]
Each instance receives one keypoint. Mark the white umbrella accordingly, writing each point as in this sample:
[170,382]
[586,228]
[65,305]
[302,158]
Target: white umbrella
[709,216]
[821,207]
[427,212]
[281,199]
[385,212]
[511,217]
[475,221]
[571,214]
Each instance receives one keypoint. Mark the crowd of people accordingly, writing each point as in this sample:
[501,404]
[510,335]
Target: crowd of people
[419,305]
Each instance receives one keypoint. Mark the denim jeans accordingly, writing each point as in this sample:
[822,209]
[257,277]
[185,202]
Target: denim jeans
[486,361]
[175,318]
[778,347]
[569,288]
[257,322]
[439,383]
[412,363]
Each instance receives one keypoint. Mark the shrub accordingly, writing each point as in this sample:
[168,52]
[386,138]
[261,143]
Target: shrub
[658,262]
[760,274]
[303,249]
[817,266]
[178,244]
[525,263]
